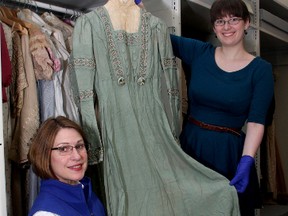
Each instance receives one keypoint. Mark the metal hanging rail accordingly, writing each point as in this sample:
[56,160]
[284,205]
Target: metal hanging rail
[36,5]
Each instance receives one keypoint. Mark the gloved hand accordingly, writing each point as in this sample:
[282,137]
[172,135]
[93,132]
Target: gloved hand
[241,178]
[137,2]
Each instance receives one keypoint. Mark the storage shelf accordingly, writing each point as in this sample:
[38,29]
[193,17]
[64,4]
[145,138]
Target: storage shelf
[273,32]
[204,3]
[274,21]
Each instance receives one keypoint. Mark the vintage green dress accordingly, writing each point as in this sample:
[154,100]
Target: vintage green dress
[145,171]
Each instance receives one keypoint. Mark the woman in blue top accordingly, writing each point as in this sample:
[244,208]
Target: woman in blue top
[58,156]
[228,87]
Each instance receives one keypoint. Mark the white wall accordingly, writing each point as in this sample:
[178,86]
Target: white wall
[167,10]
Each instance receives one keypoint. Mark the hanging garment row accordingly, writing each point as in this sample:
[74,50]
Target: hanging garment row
[41,7]
[36,85]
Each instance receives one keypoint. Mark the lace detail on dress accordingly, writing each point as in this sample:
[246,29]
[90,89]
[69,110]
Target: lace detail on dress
[144,46]
[85,62]
[86,94]
[113,52]
[173,92]
[169,63]
[95,155]
[129,39]
[95,150]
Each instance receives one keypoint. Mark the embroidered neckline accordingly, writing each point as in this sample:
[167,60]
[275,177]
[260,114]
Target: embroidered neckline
[131,38]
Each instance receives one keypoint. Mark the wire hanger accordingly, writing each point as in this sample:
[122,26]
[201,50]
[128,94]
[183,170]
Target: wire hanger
[36,6]
[65,14]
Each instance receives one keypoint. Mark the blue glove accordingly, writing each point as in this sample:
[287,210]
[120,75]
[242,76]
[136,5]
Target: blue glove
[137,2]
[241,178]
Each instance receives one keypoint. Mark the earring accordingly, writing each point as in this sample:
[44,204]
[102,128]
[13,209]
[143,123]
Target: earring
[215,36]
[245,32]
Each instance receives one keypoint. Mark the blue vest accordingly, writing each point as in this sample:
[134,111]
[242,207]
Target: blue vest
[67,200]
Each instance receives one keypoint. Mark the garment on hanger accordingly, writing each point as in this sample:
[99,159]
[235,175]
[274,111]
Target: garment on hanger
[50,57]
[19,82]
[12,15]
[42,54]
[48,62]
[15,25]
[27,120]
[17,152]
[6,65]
[66,29]
[7,127]
[145,170]
[28,60]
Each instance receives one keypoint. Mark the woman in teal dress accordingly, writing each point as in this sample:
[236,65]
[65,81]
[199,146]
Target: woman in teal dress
[228,87]
[126,73]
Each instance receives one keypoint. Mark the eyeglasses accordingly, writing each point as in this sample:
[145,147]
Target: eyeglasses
[68,149]
[232,21]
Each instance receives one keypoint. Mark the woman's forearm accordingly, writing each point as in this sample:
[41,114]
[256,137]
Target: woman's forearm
[254,136]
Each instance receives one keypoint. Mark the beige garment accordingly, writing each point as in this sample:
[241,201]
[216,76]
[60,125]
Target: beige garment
[28,121]
[42,48]
[43,64]
[66,29]
[17,87]
[19,82]
[7,126]
[124,15]
[30,16]
[275,177]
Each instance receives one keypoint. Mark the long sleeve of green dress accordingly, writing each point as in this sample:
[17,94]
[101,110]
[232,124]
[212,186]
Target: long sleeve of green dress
[83,66]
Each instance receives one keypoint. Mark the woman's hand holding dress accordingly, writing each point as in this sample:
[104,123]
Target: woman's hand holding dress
[241,178]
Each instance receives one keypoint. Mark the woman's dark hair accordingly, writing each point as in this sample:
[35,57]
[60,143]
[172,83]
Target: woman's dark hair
[40,150]
[223,8]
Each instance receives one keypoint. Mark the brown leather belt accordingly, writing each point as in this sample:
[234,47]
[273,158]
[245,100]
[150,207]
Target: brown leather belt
[235,131]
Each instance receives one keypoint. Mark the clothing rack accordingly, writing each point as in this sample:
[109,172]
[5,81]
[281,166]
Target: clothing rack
[36,5]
